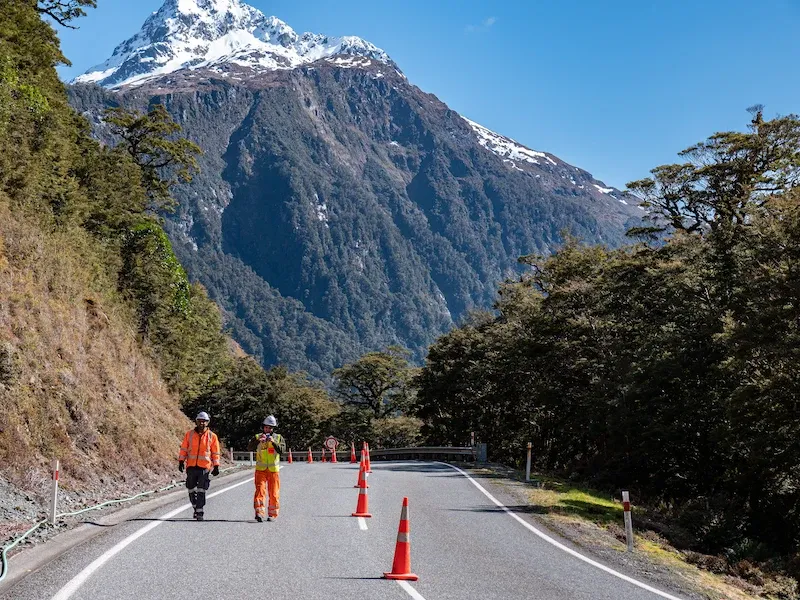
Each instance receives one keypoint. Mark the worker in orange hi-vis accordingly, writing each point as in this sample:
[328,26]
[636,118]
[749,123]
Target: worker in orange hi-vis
[199,455]
[268,447]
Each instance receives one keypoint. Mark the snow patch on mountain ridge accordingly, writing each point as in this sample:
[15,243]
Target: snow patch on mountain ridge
[506,147]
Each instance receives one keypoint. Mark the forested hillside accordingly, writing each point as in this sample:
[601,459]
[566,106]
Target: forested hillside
[669,367]
[103,339]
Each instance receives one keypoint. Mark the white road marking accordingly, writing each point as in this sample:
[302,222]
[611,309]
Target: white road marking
[362,523]
[76,582]
[561,546]
[411,591]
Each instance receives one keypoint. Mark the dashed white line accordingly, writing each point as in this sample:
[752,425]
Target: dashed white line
[411,591]
[362,523]
[561,546]
[76,582]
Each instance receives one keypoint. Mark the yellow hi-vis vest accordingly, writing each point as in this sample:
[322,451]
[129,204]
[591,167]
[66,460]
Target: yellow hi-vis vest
[267,457]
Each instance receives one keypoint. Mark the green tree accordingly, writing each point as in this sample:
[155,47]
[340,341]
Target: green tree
[151,276]
[153,142]
[727,179]
[64,11]
[247,394]
[378,381]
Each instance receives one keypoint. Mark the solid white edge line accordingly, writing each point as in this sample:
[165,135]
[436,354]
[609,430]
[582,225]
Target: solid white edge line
[76,582]
[558,544]
[362,523]
[411,591]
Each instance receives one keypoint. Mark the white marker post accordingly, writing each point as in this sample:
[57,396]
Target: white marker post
[626,507]
[54,497]
[252,460]
[528,466]
[231,451]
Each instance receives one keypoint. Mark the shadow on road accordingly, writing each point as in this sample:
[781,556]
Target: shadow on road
[515,508]
[414,467]
[357,578]
[190,520]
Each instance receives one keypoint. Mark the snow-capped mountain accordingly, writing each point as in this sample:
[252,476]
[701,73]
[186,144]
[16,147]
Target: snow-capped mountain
[338,208]
[193,34]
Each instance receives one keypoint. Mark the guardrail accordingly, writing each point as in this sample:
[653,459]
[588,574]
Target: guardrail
[465,453]
[249,457]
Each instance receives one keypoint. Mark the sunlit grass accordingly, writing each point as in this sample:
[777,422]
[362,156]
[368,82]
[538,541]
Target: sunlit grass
[559,497]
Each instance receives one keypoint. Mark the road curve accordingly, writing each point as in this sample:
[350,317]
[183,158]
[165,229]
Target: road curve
[463,546]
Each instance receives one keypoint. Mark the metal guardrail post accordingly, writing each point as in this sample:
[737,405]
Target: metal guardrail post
[252,460]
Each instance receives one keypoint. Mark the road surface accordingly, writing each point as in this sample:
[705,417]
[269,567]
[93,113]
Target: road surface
[463,546]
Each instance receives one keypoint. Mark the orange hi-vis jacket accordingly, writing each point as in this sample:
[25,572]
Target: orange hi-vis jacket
[200,450]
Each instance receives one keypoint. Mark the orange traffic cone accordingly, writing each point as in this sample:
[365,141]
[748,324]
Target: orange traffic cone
[362,474]
[323,455]
[362,508]
[352,453]
[310,456]
[369,467]
[290,461]
[401,567]
[333,456]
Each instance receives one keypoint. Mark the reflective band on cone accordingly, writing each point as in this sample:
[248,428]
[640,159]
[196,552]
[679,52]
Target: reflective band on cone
[362,475]
[401,566]
[362,508]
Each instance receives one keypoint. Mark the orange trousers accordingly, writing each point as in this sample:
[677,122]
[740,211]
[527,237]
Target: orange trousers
[267,482]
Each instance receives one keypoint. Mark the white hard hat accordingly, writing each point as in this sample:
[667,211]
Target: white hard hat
[202,416]
[271,421]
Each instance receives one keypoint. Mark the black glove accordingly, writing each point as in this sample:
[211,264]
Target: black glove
[215,471]
[180,466]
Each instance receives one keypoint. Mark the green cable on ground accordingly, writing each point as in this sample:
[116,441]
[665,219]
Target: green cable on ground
[8,547]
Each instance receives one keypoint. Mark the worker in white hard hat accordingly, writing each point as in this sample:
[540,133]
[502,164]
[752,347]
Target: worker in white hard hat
[199,455]
[268,447]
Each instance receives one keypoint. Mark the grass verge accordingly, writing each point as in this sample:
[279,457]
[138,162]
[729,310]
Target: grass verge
[593,520]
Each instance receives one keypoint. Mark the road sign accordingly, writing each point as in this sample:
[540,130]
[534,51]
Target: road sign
[331,443]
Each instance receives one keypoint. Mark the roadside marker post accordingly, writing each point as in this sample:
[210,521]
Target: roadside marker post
[626,507]
[51,517]
[528,465]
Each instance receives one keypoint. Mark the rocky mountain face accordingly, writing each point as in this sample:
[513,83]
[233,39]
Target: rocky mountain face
[339,208]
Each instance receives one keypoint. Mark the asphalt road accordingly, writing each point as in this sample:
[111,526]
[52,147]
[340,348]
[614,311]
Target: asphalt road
[463,546]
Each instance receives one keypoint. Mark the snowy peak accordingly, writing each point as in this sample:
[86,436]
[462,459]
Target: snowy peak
[192,34]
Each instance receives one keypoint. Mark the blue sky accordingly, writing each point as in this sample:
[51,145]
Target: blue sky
[616,88]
